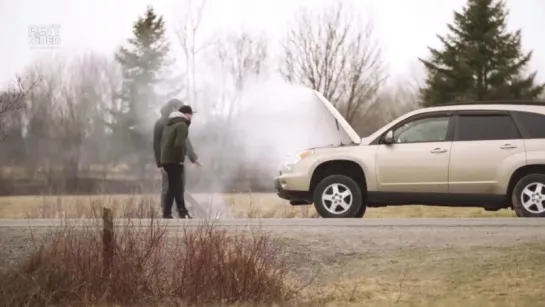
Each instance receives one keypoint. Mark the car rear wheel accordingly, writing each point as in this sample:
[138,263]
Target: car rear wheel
[529,196]
[338,196]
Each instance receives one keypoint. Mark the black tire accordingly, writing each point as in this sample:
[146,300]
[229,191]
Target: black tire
[518,202]
[361,213]
[355,209]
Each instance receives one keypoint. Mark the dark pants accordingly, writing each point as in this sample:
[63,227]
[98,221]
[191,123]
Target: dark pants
[164,188]
[175,191]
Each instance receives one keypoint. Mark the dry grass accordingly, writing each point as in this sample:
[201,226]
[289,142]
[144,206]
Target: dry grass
[259,205]
[110,172]
[202,265]
[487,276]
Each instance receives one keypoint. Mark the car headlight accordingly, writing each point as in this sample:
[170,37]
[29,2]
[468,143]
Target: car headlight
[298,157]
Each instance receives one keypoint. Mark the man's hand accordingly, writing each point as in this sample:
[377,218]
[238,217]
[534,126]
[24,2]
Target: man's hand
[198,163]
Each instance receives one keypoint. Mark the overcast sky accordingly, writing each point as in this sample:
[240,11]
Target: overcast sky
[404,27]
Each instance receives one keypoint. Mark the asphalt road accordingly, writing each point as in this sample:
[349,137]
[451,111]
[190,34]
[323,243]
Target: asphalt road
[295,222]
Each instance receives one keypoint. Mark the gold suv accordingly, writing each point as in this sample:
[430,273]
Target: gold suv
[489,155]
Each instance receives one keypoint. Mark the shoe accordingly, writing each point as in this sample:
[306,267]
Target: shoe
[184,215]
[168,217]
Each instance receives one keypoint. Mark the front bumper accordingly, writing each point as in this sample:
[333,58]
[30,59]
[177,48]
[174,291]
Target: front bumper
[295,197]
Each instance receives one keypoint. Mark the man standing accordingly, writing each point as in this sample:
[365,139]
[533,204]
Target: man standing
[171,106]
[173,152]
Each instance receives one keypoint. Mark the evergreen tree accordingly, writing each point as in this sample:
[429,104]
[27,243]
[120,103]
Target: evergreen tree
[144,66]
[480,60]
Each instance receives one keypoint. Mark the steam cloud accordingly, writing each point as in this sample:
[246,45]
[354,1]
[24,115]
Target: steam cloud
[276,119]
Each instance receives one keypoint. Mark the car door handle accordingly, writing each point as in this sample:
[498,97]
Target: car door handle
[438,150]
[508,146]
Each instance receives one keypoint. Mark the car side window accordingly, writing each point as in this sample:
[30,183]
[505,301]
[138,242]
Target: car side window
[486,128]
[533,123]
[432,129]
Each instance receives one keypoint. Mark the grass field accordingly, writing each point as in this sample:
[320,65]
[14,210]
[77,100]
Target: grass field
[486,276]
[259,205]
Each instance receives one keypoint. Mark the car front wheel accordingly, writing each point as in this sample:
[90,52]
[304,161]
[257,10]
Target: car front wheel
[529,196]
[338,196]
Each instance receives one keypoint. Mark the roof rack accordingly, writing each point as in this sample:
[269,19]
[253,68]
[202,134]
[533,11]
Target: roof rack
[500,102]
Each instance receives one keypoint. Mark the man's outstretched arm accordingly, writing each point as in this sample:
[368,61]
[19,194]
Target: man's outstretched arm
[191,154]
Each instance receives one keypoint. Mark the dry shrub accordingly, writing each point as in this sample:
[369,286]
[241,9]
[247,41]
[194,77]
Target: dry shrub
[201,265]
[223,266]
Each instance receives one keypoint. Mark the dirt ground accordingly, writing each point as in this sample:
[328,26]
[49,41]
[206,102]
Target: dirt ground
[408,265]
[262,205]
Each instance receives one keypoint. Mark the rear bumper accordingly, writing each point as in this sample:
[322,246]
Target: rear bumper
[295,197]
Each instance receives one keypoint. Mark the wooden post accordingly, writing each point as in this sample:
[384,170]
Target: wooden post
[107,241]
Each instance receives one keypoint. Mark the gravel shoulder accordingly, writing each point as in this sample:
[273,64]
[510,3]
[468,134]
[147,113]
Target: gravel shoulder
[384,264]
[309,247]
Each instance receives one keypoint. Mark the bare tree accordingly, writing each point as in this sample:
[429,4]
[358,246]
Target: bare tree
[393,101]
[12,105]
[241,59]
[66,117]
[39,117]
[331,52]
[187,33]
[102,86]
[80,110]
[13,99]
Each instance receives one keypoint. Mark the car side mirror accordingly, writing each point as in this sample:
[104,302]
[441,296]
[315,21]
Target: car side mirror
[388,138]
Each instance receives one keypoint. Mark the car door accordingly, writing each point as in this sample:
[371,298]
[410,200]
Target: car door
[483,143]
[417,160]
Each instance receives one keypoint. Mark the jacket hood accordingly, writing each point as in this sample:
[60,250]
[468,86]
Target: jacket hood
[176,117]
[165,111]
[176,114]
[341,121]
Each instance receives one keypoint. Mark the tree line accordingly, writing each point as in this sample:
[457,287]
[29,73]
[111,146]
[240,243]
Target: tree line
[73,120]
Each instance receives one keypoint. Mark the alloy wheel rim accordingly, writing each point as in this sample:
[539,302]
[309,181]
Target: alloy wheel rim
[337,198]
[533,197]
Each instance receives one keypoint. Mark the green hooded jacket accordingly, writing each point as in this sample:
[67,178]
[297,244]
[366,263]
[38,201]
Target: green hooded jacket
[173,140]
[158,134]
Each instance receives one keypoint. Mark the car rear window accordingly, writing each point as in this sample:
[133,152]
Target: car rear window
[533,123]
[486,128]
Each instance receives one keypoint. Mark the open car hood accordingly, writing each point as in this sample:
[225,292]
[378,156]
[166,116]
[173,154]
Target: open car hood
[348,135]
